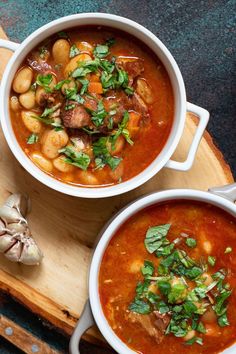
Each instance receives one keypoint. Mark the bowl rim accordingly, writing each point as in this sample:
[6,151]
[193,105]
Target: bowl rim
[110,229]
[107,191]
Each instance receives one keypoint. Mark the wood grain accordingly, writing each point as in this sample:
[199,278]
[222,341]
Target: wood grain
[66,228]
[22,339]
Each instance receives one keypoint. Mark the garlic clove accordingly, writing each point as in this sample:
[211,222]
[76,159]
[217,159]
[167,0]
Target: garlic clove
[17,227]
[6,241]
[2,227]
[31,254]
[20,202]
[10,215]
[13,254]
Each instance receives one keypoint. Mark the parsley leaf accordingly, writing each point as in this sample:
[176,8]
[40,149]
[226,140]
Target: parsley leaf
[211,260]
[122,131]
[78,159]
[193,340]
[101,51]
[155,236]
[44,81]
[148,268]
[223,320]
[102,155]
[32,139]
[74,51]
[140,306]
[191,242]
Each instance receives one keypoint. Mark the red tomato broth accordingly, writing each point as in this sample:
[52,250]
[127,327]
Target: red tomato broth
[150,139]
[127,247]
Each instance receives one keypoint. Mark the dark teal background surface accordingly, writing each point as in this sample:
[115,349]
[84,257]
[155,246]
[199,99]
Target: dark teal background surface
[201,36]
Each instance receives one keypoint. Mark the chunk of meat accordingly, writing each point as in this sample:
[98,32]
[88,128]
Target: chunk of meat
[118,102]
[161,320]
[75,118]
[154,324]
[132,65]
[139,105]
[91,103]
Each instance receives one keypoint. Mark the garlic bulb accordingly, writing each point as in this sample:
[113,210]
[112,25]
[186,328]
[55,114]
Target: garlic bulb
[15,237]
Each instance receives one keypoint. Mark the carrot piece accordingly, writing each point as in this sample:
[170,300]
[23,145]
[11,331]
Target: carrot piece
[95,87]
[133,123]
[94,77]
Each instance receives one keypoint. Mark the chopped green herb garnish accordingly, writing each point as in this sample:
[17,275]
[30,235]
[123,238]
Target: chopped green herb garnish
[69,106]
[191,242]
[101,51]
[122,131]
[102,155]
[140,306]
[59,85]
[211,260]
[155,237]
[193,340]
[148,268]
[74,51]
[32,139]
[44,81]
[77,159]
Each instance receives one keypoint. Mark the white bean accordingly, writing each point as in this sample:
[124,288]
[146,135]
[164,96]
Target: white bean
[23,80]
[31,123]
[73,63]
[207,246]
[87,178]
[85,47]
[15,104]
[52,141]
[61,165]
[60,51]
[41,162]
[190,335]
[27,99]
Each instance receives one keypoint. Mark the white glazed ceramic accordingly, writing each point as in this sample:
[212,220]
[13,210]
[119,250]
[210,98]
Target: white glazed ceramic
[21,50]
[222,197]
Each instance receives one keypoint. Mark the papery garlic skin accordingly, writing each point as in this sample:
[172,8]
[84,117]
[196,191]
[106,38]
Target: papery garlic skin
[15,237]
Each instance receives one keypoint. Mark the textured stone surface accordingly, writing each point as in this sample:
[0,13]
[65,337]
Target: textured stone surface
[202,37]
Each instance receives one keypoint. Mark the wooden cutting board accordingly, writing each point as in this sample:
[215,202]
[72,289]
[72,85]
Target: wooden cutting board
[66,227]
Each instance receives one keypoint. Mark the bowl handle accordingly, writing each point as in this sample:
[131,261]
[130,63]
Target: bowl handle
[203,116]
[85,322]
[228,191]
[4,43]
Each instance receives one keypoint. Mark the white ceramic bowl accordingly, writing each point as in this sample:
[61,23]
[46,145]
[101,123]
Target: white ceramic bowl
[163,159]
[222,197]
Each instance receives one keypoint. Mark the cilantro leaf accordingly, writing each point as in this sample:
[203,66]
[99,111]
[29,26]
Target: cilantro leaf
[191,242]
[78,159]
[211,260]
[140,306]
[154,237]
[74,51]
[101,51]
[102,155]
[44,81]
[32,139]
[148,268]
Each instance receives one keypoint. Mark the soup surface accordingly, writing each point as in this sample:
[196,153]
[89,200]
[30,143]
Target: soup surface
[92,106]
[173,287]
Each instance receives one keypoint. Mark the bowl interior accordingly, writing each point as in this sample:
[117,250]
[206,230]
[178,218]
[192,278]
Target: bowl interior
[110,230]
[118,23]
